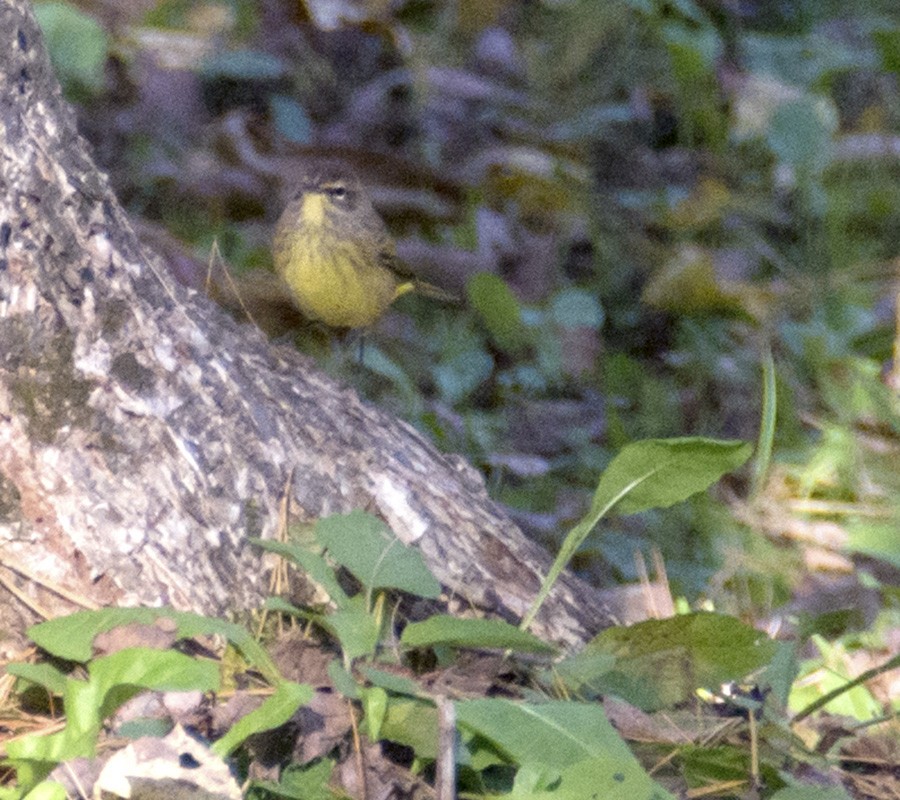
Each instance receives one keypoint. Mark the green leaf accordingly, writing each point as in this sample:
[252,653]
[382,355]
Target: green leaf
[374,555]
[72,637]
[313,564]
[112,680]
[275,711]
[356,630]
[159,670]
[875,539]
[654,473]
[78,46]
[343,680]
[574,738]
[47,790]
[499,311]
[584,673]
[144,726]
[781,671]
[413,723]
[479,633]
[829,677]
[657,473]
[398,684]
[43,675]
[375,703]
[667,660]
[532,780]
[600,777]
[307,782]
[556,734]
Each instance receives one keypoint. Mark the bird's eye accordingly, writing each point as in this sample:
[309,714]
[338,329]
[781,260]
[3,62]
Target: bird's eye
[337,191]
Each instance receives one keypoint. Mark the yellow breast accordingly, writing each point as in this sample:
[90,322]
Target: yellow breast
[337,282]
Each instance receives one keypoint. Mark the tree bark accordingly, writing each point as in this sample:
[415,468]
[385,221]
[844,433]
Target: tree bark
[144,434]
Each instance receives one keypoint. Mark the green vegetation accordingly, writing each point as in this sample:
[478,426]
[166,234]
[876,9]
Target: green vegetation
[549,737]
[667,219]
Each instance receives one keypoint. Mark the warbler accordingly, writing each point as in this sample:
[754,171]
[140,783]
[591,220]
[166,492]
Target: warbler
[336,255]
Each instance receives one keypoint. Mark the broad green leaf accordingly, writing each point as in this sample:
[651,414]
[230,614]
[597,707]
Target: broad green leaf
[875,539]
[77,43]
[356,630]
[602,776]
[144,726]
[282,606]
[500,311]
[47,790]
[585,673]
[78,739]
[556,734]
[43,675]
[374,555]
[307,782]
[657,473]
[28,774]
[72,637]
[479,633]
[112,680]
[141,667]
[662,662]
[654,473]
[574,738]
[781,671]
[275,711]
[413,723]
[532,780]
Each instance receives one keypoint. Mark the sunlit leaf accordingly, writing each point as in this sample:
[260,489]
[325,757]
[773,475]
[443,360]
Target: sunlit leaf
[372,552]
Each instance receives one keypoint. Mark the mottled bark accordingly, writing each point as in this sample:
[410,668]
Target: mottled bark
[144,434]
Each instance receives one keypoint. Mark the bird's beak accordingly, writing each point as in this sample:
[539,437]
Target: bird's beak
[313,212]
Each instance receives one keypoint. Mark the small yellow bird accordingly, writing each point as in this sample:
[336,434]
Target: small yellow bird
[335,253]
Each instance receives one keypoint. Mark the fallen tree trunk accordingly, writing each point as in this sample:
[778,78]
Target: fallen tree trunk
[144,434]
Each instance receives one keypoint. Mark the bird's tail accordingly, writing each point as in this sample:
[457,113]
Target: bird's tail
[434,292]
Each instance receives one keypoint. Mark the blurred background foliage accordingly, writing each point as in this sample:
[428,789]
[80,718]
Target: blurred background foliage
[633,198]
